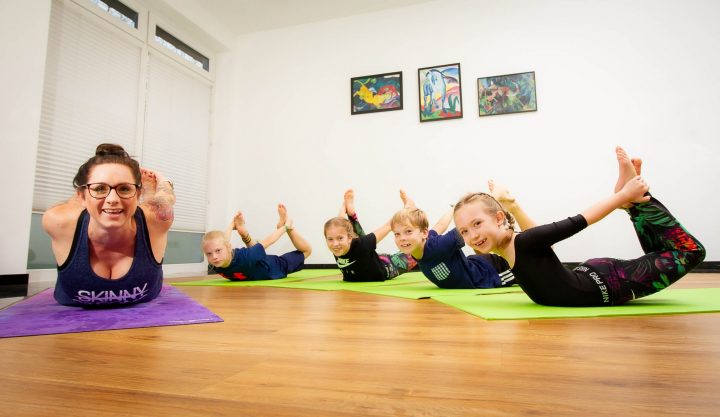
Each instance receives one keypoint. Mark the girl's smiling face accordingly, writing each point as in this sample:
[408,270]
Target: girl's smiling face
[481,230]
[338,240]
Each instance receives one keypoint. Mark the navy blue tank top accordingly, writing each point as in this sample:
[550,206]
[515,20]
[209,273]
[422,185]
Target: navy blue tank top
[78,285]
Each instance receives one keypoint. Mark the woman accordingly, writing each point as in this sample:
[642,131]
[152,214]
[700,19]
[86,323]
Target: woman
[670,251]
[108,246]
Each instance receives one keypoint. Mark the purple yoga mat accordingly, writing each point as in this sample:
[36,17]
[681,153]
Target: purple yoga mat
[41,314]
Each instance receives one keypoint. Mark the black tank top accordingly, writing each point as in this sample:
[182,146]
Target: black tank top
[78,285]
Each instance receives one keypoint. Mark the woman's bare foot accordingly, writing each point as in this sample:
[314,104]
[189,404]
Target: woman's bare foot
[349,198]
[282,213]
[501,194]
[407,201]
[149,183]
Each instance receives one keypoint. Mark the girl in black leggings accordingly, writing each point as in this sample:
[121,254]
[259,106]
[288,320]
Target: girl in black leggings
[670,251]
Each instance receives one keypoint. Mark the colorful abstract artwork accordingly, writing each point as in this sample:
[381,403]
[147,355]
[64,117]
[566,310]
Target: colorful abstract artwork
[374,93]
[502,94]
[440,93]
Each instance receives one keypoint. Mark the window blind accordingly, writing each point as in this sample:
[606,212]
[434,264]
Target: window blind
[177,121]
[90,96]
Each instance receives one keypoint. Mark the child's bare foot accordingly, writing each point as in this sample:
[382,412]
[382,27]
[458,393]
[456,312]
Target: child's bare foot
[239,220]
[239,223]
[626,169]
[282,213]
[501,194]
[349,198]
[407,201]
[637,163]
[289,225]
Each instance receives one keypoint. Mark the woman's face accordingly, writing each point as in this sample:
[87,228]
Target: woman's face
[111,211]
[480,230]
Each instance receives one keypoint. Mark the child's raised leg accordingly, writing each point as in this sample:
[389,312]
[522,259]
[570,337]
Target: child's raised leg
[670,251]
[297,240]
[349,204]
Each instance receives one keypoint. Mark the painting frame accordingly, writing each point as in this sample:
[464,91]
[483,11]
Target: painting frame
[376,93]
[507,94]
[441,83]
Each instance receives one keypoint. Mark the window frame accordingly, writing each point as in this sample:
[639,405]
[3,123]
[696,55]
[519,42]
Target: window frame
[142,27]
[184,37]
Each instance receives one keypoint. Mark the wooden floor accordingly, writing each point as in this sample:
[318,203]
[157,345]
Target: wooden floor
[288,352]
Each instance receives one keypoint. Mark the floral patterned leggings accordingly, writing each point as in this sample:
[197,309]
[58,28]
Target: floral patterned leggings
[670,253]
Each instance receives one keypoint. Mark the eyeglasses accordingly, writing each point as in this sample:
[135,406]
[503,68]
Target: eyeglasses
[101,190]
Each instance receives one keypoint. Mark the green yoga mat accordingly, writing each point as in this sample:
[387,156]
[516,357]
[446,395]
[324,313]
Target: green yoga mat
[339,284]
[295,276]
[518,306]
[426,289]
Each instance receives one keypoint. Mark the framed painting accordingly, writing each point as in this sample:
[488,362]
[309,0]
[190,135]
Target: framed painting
[374,93]
[503,94]
[440,92]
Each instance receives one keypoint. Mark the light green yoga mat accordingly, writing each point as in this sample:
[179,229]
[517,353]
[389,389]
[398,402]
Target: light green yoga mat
[426,289]
[518,306]
[295,276]
[339,284]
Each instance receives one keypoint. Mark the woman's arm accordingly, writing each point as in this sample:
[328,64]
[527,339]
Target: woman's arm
[59,222]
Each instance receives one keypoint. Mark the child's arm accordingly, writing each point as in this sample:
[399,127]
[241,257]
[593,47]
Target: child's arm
[442,224]
[382,231]
[238,223]
[633,192]
[272,238]
[509,204]
[523,219]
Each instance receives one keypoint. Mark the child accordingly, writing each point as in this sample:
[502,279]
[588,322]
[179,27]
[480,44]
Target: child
[354,251]
[670,251]
[252,263]
[440,256]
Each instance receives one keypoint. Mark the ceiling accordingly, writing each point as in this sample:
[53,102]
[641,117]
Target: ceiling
[227,19]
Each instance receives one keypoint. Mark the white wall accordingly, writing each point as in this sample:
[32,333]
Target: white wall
[642,74]
[24,35]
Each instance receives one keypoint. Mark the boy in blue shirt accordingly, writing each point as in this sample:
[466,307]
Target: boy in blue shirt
[440,256]
[252,263]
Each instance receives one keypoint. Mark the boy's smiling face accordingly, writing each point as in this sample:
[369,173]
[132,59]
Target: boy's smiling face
[409,239]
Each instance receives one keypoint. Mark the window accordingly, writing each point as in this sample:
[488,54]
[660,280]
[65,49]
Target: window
[181,49]
[119,10]
[103,83]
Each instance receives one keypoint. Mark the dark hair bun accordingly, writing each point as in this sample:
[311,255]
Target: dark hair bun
[106,149]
